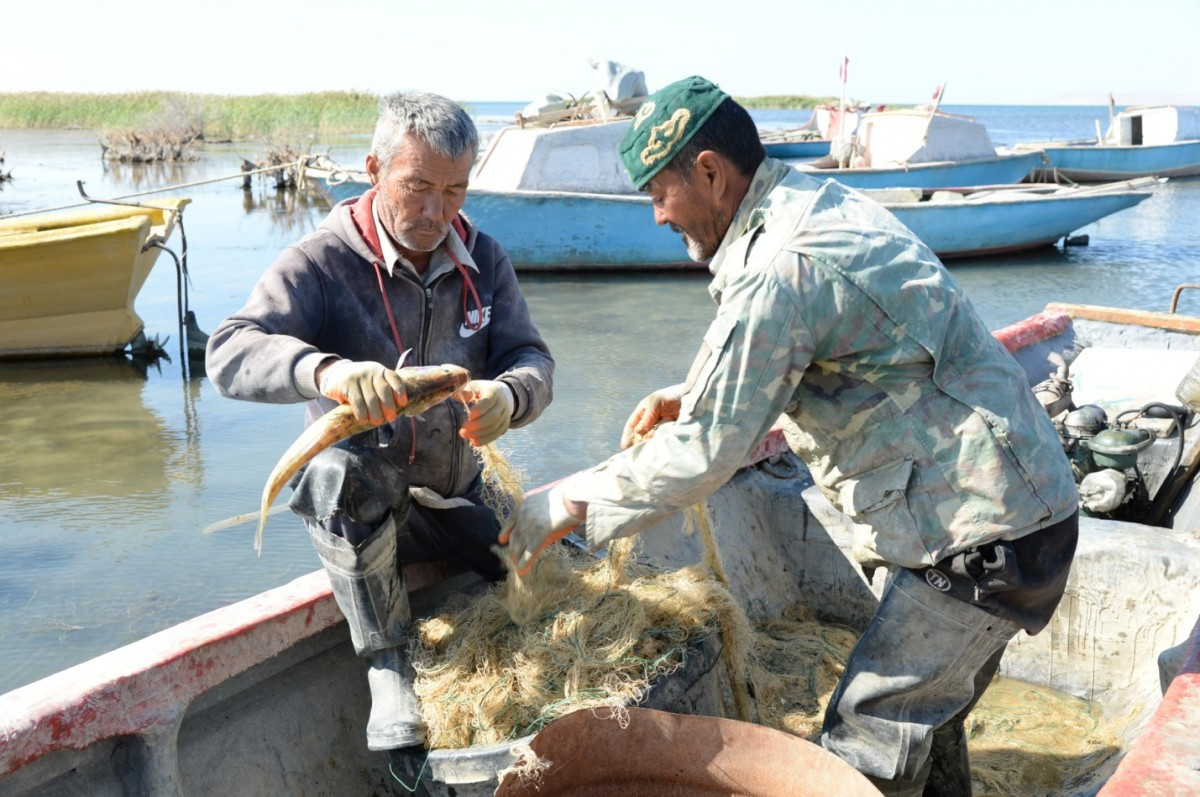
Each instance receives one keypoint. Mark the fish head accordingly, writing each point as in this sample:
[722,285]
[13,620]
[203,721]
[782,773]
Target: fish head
[429,385]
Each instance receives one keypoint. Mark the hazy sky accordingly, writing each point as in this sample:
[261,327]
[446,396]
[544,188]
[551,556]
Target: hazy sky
[1021,51]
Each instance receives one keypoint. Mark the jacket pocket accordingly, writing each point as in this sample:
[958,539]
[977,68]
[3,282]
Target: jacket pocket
[706,360]
[885,530]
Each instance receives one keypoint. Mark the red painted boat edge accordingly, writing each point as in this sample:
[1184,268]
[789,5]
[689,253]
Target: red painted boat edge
[1165,758]
[150,683]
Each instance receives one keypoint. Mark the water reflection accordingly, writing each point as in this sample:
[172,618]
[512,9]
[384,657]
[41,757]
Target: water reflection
[80,428]
[293,212]
[146,176]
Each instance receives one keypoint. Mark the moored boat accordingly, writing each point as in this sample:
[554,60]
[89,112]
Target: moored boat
[816,137]
[988,220]
[556,197]
[1162,141]
[264,696]
[794,145]
[922,148]
[71,278]
[572,229]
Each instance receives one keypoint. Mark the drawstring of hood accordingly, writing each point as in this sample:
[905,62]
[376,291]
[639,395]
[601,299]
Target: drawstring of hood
[360,214]
[477,324]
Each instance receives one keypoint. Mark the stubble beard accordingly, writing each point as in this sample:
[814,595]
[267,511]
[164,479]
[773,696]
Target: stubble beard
[422,236]
[697,250]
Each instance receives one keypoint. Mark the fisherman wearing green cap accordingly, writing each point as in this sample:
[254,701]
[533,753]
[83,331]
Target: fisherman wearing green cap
[911,417]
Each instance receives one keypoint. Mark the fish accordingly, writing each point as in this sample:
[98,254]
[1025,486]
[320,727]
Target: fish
[426,386]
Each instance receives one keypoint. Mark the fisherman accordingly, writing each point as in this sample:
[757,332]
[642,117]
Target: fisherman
[395,271]
[911,417]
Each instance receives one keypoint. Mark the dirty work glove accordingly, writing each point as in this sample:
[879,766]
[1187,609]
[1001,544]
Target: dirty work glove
[659,407]
[372,390]
[541,520]
[490,406]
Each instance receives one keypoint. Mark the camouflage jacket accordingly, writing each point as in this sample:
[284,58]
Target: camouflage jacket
[912,418]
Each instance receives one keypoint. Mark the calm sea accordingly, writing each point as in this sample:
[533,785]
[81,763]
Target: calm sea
[109,473]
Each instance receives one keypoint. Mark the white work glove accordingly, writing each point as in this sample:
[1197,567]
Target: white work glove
[541,520]
[659,407]
[372,390]
[490,407]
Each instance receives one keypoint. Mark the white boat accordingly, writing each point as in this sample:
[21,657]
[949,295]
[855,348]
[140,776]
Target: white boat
[1158,140]
[922,148]
[265,696]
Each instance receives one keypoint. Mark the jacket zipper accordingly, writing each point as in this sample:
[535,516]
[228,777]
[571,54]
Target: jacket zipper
[456,442]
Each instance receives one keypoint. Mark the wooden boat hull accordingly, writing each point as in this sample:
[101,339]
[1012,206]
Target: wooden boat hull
[71,279]
[999,170]
[1088,164]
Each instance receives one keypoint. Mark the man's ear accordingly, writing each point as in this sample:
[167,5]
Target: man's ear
[710,170]
[373,169]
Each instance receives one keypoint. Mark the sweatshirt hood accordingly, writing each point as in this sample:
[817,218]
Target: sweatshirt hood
[340,222]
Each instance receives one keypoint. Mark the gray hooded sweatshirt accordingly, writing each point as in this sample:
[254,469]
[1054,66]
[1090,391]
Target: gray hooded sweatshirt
[322,297]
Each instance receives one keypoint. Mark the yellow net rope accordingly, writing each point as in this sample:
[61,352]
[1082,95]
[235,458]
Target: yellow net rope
[581,633]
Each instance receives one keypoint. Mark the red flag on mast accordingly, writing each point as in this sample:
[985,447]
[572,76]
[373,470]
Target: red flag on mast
[844,69]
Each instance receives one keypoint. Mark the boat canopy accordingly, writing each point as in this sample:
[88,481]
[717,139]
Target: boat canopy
[917,135]
[579,157]
[1160,124]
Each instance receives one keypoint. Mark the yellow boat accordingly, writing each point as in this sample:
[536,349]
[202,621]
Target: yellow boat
[70,278]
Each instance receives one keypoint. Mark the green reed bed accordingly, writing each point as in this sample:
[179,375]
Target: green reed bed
[219,117]
[216,116]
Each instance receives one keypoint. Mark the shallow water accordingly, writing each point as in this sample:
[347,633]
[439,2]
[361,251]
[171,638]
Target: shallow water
[108,474]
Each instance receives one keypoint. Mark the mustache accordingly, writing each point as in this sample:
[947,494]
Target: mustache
[426,226]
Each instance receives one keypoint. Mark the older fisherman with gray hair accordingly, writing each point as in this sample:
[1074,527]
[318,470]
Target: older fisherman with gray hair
[911,417]
[397,273]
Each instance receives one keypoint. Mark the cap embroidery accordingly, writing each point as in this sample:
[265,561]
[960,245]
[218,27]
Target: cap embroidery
[663,137]
[643,111]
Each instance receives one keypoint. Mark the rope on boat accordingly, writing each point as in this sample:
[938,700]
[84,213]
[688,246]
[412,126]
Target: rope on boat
[299,164]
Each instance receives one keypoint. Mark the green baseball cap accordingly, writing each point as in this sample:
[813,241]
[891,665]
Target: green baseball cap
[664,123]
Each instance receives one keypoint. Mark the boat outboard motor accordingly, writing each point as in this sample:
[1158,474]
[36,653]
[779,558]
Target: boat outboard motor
[1080,425]
[1114,479]
[1104,455]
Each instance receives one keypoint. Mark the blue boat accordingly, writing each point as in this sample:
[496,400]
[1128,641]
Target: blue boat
[996,219]
[995,170]
[1163,141]
[1088,164]
[558,199]
[799,148]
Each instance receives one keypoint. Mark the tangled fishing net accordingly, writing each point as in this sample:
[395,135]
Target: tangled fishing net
[586,633]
